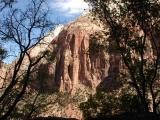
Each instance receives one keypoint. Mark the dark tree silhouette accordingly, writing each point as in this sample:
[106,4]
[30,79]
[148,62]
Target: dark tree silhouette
[3,53]
[26,28]
[6,3]
[134,26]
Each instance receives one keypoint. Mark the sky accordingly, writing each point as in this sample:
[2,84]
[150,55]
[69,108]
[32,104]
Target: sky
[67,10]
[62,12]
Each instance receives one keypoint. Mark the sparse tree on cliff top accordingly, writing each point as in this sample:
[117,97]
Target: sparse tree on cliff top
[3,53]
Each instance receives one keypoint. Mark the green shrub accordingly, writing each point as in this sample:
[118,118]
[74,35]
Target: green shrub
[130,103]
[104,104]
[100,104]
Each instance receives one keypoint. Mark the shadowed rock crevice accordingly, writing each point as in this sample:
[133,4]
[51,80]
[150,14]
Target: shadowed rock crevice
[111,81]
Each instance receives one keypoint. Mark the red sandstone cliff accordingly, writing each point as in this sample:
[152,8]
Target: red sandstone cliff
[74,66]
[75,62]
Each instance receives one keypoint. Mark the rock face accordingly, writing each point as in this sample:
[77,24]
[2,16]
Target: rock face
[81,62]
[74,60]
[1,71]
[74,64]
[5,74]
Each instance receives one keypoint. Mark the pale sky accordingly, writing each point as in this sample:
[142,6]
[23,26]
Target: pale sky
[69,7]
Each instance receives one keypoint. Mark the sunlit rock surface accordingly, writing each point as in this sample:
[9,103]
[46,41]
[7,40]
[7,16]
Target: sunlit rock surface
[74,64]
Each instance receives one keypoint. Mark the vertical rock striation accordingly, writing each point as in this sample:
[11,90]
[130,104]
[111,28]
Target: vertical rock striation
[74,64]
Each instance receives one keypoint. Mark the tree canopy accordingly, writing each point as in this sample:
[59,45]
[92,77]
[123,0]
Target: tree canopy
[134,26]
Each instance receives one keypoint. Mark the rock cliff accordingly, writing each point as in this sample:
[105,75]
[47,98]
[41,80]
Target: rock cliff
[75,65]
[80,58]
[77,60]
[77,55]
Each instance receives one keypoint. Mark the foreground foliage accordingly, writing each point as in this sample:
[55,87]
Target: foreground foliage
[109,104]
[26,28]
[134,30]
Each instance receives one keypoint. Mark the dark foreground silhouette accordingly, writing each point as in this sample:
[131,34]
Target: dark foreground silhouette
[129,116]
[53,118]
[124,116]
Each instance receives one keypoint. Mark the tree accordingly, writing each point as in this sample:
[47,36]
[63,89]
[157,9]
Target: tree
[26,28]
[6,3]
[104,104]
[134,27]
[3,53]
